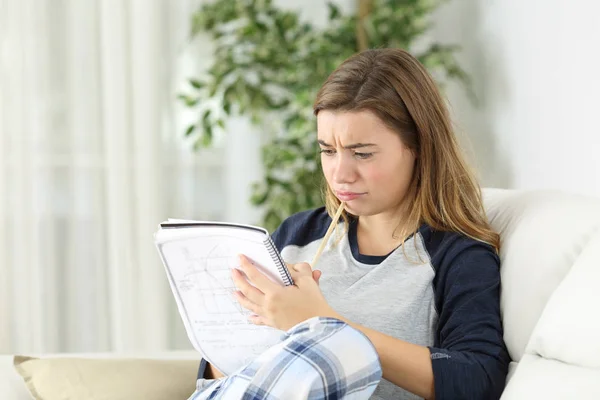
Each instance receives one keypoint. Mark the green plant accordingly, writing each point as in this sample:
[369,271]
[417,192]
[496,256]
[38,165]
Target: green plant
[269,65]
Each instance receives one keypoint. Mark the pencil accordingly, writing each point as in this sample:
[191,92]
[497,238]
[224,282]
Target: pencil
[329,232]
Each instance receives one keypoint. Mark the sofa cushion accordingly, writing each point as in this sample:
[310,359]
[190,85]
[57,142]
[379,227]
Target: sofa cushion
[568,329]
[99,379]
[543,234]
[540,378]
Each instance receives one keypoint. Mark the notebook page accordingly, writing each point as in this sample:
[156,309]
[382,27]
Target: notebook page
[199,270]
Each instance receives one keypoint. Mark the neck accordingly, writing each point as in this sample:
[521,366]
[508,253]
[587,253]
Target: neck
[380,226]
[378,234]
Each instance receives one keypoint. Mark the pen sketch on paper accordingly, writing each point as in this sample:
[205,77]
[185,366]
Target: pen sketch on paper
[200,270]
[210,277]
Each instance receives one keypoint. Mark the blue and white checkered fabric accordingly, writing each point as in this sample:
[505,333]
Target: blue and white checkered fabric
[320,358]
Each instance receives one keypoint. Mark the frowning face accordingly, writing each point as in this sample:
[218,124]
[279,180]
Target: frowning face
[364,161]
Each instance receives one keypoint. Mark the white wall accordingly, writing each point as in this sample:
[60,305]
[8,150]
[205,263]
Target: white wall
[536,65]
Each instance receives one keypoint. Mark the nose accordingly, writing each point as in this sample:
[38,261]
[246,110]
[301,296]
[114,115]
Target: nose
[344,170]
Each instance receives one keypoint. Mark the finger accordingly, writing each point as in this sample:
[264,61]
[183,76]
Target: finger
[240,282]
[247,304]
[257,320]
[257,278]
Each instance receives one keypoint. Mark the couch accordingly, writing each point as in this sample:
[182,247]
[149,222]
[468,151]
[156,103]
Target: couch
[550,296]
[550,292]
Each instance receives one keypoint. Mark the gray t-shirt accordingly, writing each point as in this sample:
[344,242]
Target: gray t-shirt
[441,291]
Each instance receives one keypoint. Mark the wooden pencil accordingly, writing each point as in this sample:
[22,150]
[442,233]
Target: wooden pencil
[328,234]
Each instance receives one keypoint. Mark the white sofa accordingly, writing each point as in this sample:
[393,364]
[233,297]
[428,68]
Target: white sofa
[550,296]
[550,292]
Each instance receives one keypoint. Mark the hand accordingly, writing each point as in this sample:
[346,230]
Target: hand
[280,307]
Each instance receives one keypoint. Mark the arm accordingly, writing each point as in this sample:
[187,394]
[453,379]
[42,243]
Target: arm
[404,364]
[469,359]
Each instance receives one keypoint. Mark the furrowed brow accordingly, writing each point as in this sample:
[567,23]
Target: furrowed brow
[350,146]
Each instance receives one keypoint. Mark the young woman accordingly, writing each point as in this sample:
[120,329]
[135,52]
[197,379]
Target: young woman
[410,289]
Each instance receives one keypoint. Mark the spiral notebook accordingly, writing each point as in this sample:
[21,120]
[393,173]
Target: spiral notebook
[198,257]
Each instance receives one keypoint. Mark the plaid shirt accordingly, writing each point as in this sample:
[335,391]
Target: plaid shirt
[320,358]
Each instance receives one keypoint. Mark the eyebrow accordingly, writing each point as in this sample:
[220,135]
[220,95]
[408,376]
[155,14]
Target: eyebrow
[350,146]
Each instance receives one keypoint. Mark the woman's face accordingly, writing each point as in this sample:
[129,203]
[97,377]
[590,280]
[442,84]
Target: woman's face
[364,161]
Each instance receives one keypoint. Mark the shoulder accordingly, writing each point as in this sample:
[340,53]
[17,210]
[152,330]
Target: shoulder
[444,247]
[459,260]
[302,228]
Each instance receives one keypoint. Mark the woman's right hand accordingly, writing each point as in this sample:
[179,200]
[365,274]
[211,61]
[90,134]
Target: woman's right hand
[212,373]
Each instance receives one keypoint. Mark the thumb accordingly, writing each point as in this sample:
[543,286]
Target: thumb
[316,275]
[300,270]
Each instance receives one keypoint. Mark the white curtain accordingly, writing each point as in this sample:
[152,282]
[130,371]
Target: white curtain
[92,158]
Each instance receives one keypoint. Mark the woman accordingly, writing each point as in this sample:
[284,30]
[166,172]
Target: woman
[416,270]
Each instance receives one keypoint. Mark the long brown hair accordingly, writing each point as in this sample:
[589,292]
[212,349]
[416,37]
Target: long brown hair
[396,87]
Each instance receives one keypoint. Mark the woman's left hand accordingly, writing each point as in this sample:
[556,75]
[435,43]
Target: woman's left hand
[280,307]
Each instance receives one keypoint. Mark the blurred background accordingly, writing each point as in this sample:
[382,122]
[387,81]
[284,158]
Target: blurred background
[118,114]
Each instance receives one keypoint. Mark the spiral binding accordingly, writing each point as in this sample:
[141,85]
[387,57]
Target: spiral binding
[276,257]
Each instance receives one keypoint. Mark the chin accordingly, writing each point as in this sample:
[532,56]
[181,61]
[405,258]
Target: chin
[361,209]
[370,207]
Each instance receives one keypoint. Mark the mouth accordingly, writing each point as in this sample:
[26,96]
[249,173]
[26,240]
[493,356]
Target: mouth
[347,196]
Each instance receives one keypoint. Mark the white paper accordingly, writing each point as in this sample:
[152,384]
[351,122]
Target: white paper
[199,270]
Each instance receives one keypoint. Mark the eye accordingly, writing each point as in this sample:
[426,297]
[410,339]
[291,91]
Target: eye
[363,156]
[327,152]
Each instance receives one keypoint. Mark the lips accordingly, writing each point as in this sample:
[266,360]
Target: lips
[347,196]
